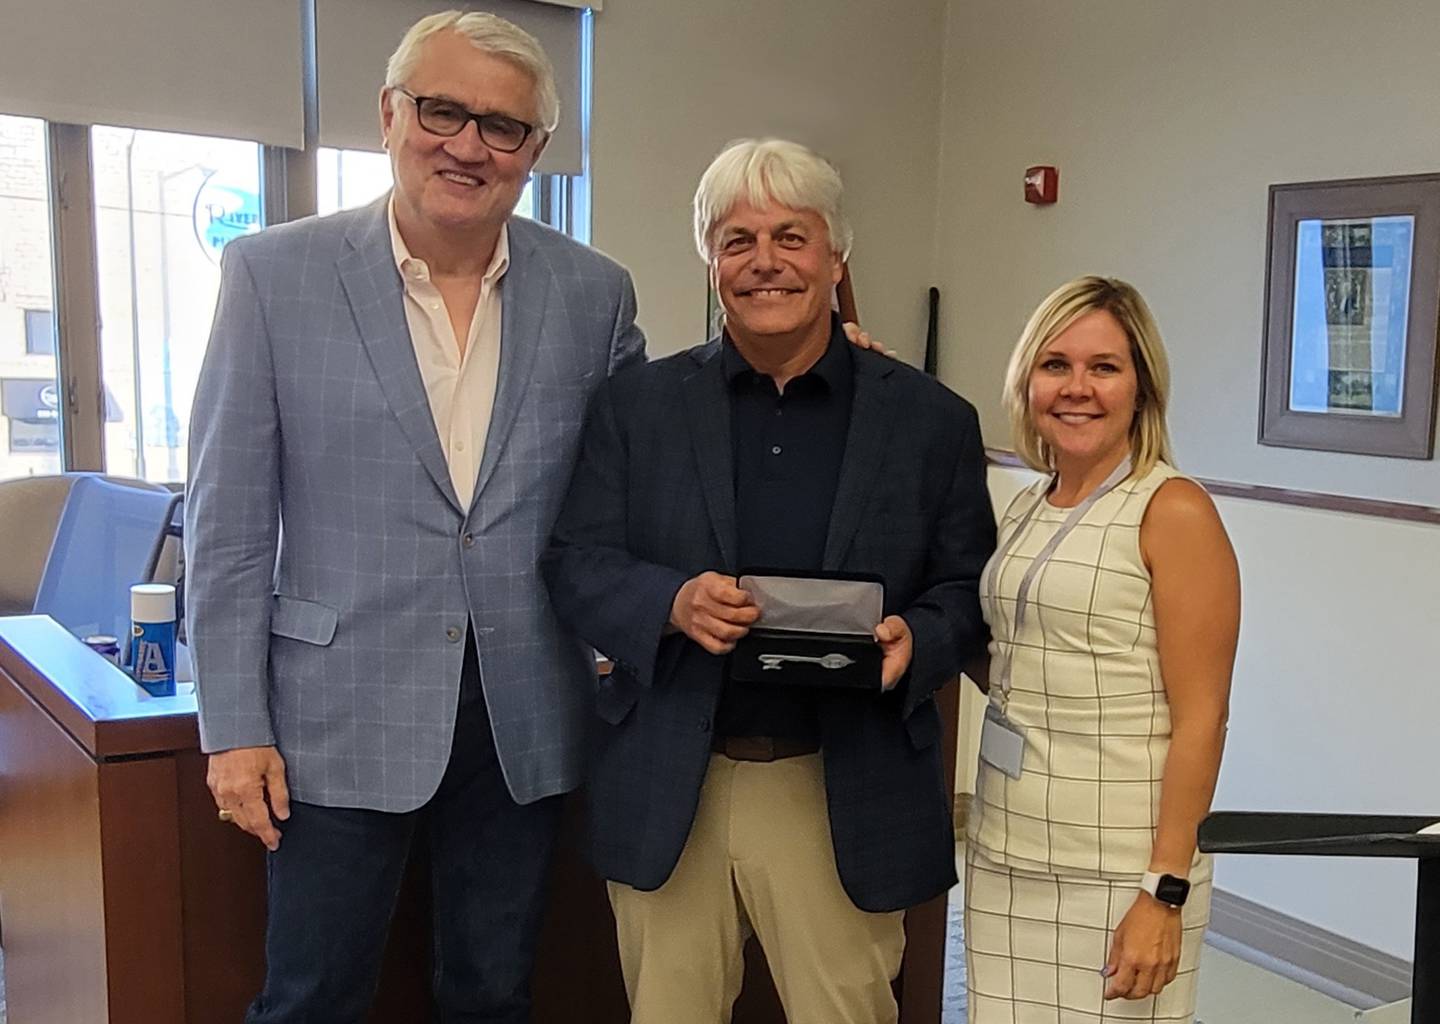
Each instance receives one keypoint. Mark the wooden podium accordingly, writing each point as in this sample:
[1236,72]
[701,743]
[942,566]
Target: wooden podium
[124,900]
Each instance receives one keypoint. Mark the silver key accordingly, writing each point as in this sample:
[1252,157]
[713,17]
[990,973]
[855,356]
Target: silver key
[831,661]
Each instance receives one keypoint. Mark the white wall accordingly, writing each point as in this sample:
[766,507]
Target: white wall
[859,80]
[1169,119]
[1336,705]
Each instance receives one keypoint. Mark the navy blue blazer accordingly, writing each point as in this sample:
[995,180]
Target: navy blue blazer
[652,504]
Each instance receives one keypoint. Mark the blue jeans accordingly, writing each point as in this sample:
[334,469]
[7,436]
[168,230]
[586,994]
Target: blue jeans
[333,885]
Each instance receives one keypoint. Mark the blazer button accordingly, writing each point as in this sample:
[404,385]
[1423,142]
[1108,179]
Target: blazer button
[468,540]
[704,725]
[452,633]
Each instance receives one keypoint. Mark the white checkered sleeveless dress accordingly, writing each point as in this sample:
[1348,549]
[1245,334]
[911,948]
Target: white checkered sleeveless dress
[1054,857]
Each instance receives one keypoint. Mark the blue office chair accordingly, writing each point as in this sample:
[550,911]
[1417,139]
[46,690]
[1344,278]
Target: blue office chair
[109,537]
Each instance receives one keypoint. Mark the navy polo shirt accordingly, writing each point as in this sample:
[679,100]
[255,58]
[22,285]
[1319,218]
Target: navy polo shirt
[787,450]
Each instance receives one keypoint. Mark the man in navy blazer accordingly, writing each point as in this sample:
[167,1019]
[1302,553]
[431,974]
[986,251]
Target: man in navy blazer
[385,424]
[718,809]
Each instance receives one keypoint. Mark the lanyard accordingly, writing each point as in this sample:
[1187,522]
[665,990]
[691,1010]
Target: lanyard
[1022,595]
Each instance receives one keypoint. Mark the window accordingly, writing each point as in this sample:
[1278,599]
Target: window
[353,177]
[350,178]
[29,392]
[122,296]
[165,207]
[40,332]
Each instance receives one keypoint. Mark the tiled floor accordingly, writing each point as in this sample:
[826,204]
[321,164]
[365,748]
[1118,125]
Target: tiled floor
[952,1003]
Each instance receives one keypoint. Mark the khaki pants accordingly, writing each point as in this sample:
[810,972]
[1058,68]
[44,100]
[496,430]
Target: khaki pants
[759,859]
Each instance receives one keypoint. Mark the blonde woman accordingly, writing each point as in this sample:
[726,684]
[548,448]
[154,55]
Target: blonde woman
[1114,603]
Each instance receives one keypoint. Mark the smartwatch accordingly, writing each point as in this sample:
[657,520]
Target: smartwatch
[1167,889]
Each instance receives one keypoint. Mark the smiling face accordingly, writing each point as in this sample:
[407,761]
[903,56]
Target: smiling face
[452,185]
[773,268]
[1083,389]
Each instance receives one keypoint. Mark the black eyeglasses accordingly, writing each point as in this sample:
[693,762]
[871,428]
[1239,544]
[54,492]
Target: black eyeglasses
[500,132]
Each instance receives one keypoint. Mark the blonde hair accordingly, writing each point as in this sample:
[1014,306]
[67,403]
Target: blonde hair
[491,34]
[770,171]
[1149,436]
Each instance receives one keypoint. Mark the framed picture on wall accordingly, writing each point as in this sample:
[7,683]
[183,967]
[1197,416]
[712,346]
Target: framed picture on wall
[1352,305]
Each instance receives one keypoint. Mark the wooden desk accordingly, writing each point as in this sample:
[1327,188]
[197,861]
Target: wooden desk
[124,900]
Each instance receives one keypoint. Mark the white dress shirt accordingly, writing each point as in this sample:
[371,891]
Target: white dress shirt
[460,389]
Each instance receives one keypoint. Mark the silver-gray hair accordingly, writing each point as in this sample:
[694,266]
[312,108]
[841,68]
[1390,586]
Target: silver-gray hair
[770,171]
[491,34]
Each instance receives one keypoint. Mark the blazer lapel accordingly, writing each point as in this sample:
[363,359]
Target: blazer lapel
[377,300]
[526,289]
[872,420]
[707,409]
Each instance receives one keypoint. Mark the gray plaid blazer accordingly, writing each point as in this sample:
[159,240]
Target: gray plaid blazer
[653,504]
[331,568]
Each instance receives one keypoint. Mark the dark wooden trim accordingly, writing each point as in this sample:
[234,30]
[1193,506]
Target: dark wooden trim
[140,860]
[50,872]
[1328,502]
[1400,510]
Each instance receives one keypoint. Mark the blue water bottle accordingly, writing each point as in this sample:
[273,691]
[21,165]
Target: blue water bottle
[152,637]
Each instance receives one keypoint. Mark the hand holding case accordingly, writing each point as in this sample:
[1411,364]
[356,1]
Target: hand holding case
[815,630]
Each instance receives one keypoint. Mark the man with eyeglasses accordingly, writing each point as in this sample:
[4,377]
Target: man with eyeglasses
[383,432]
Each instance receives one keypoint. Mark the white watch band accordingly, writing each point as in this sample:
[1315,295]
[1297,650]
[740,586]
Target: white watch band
[1150,882]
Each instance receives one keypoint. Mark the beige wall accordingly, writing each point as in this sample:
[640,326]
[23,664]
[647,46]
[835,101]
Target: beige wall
[1336,706]
[1169,119]
[857,79]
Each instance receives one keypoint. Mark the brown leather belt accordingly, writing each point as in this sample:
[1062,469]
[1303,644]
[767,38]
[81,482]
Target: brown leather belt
[762,748]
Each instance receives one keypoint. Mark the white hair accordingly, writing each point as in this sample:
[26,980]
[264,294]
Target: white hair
[491,34]
[770,171]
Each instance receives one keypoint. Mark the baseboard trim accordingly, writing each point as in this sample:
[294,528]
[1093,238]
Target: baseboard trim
[1316,958]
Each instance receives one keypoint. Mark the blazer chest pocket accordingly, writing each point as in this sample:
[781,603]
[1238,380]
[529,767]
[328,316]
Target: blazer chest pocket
[298,619]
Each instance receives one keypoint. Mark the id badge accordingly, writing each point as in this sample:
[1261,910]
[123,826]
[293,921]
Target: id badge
[1002,743]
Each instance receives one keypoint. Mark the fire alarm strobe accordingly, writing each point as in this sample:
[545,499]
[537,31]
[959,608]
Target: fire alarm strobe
[1042,185]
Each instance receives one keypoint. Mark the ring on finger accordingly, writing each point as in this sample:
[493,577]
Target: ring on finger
[226,815]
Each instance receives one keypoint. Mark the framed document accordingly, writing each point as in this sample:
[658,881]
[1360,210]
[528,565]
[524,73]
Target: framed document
[1352,293]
